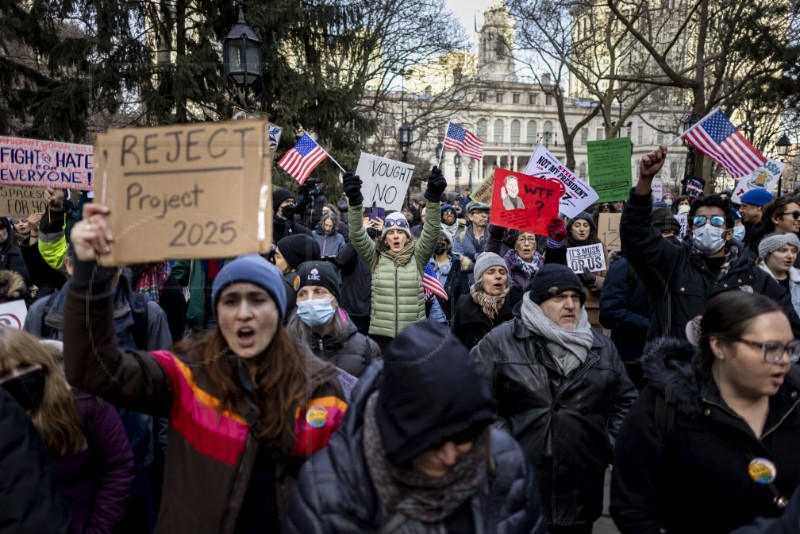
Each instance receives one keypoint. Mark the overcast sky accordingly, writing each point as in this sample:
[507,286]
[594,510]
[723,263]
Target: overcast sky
[466,10]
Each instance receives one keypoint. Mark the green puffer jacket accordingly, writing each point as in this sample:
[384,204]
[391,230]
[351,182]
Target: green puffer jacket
[397,296]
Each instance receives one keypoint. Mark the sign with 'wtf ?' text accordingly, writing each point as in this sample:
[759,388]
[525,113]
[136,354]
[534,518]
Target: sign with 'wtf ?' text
[577,193]
[190,191]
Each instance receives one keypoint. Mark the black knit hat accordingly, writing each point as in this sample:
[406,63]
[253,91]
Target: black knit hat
[586,216]
[298,248]
[665,221]
[430,390]
[319,273]
[278,196]
[553,279]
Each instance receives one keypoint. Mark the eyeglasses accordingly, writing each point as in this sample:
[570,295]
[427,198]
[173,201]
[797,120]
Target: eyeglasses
[701,220]
[774,351]
[390,223]
[469,435]
[527,239]
[795,214]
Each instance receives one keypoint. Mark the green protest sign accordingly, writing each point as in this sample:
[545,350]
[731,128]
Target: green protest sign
[610,168]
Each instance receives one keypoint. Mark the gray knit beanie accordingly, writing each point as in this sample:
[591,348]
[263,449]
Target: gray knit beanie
[773,242]
[486,260]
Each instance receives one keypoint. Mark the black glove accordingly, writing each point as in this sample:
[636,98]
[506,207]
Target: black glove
[588,278]
[436,185]
[496,232]
[352,188]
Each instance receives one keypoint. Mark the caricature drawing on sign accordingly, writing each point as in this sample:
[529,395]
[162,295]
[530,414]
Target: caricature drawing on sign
[510,194]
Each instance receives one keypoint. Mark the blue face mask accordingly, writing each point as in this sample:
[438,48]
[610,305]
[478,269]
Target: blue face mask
[316,313]
[738,233]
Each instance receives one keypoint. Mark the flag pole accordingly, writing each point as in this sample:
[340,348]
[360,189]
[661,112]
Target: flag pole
[336,162]
[441,154]
[695,125]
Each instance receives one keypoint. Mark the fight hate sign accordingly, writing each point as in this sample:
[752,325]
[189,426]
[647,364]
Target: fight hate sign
[384,182]
[191,191]
[31,162]
[523,202]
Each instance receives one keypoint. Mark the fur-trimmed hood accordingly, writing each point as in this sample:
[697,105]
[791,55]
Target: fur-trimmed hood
[12,285]
[671,368]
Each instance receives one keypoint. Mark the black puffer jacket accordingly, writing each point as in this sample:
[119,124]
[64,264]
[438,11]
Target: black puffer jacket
[566,426]
[353,355]
[677,279]
[470,324]
[334,493]
[681,460]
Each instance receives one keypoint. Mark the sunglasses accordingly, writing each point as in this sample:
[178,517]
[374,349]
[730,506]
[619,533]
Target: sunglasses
[469,435]
[717,221]
[795,214]
[390,223]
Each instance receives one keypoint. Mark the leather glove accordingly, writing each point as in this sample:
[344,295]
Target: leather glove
[436,185]
[588,278]
[496,232]
[556,230]
[352,188]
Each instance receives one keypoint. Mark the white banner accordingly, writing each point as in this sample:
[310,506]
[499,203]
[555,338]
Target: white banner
[657,189]
[384,182]
[765,177]
[590,256]
[578,195]
[12,314]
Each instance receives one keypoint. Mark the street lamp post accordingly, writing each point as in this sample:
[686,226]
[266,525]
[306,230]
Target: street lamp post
[784,145]
[688,122]
[457,163]
[405,136]
[241,62]
[470,166]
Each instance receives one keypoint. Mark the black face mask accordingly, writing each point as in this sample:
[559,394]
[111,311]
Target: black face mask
[439,249]
[27,389]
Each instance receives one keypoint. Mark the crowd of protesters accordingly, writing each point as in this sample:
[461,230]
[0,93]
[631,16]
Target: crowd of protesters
[325,387]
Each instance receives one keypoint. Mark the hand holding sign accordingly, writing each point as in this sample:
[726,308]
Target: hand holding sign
[92,235]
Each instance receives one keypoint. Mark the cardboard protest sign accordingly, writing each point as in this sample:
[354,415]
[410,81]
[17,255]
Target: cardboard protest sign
[484,191]
[384,181]
[610,170]
[523,202]
[190,191]
[765,177]
[590,256]
[21,201]
[31,162]
[12,314]
[608,230]
[577,195]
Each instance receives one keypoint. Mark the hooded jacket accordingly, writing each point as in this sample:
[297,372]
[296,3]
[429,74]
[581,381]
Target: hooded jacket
[682,455]
[353,355]
[334,492]
[677,279]
[565,425]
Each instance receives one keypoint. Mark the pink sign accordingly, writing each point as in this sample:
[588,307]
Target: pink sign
[36,163]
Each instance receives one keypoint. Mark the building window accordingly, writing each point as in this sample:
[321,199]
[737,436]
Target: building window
[673,170]
[584,136]
[499,98]
[532,99]
[582,170]
[499,131]
[600,134]
[660,134]
[640,136]
[516,98]
[548,133]
[531,133]
[548,100]
[481,97]
[516,128]
[483,129]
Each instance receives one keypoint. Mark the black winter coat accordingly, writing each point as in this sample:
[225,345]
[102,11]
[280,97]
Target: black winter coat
[353,355]
[470,324]
[677,279]
[681,464]
[11,256]
[334,492]
[356,279]
[565,425]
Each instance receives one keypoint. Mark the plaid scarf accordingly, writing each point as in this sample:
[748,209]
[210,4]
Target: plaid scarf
[489,304]
[418,504]
[153,278]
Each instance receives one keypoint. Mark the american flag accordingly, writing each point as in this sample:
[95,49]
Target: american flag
[717,138]
[301,160]
[431,283]
[457,138]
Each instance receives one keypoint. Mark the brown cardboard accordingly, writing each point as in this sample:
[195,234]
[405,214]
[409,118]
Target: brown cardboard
[608,230]
[20,201]
[186,191]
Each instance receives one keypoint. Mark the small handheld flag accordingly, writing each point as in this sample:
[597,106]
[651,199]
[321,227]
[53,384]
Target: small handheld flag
[458,138]
[301,160]
[716,137]
[431,284]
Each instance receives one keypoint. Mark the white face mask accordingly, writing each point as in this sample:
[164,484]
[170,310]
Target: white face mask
[708,239]
[668,202]
[683,209]
[738,232]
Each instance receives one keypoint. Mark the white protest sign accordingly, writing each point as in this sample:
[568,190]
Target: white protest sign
[578,195]
[682,219]
[765,177]
[384,181]
[590,256]
[12,314]
[657,189]
[32,162]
